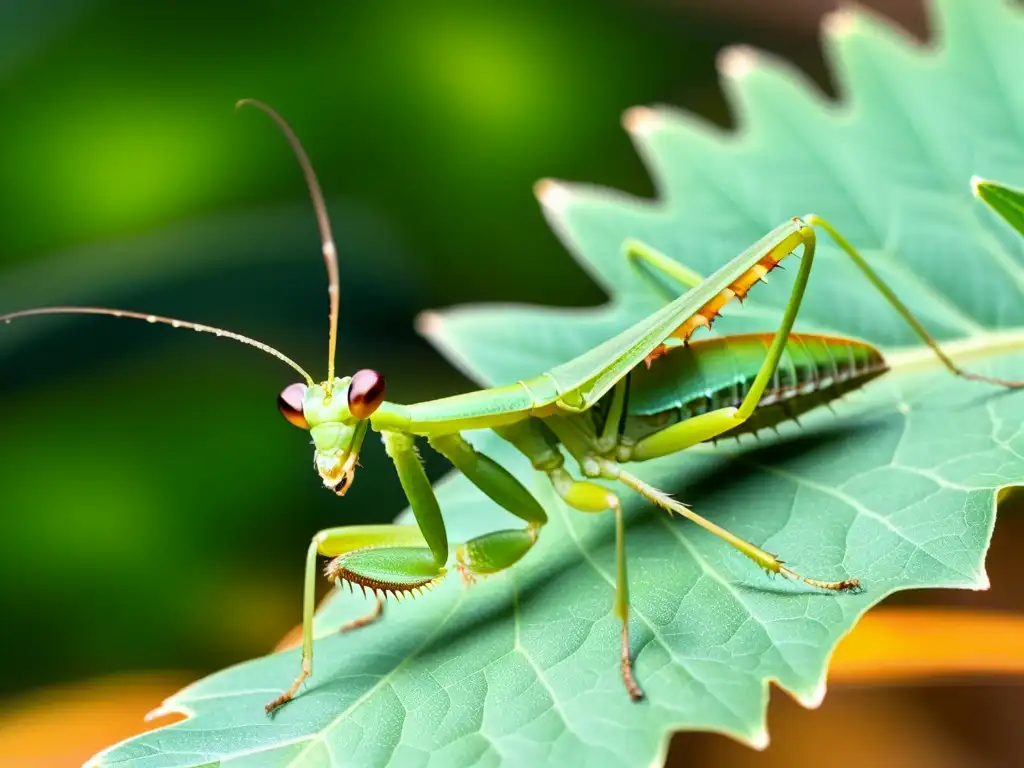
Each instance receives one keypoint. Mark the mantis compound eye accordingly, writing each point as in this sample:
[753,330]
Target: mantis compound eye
[289,402]
[365,393]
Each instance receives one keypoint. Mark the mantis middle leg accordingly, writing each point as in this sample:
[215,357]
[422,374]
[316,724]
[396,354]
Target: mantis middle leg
[584,496]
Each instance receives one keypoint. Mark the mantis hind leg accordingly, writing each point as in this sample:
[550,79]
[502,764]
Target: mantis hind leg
[902,308]
[766,560]
[705,426]
[695,430]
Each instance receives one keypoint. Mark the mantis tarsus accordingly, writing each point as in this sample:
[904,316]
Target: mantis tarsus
[605,408]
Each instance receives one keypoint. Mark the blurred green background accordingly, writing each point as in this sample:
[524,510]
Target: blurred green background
[155,506]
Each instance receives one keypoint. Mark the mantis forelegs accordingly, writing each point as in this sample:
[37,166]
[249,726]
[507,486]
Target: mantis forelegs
[499,550]
[490,477]
[485,554]
[385,558]
[349,542]
[403,559]
[401,447]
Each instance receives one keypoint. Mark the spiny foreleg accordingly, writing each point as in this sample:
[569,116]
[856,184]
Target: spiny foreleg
[400,560]
[386,559]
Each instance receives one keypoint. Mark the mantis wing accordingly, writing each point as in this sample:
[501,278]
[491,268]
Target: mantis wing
[579,383]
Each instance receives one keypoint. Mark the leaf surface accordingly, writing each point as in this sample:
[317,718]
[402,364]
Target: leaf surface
[899,488]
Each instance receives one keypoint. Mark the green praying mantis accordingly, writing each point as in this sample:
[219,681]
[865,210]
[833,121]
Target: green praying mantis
[645,393]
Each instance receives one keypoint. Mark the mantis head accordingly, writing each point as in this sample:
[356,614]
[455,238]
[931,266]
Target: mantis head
[337,418]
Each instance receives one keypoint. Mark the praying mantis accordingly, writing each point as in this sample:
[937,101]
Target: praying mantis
[647,392]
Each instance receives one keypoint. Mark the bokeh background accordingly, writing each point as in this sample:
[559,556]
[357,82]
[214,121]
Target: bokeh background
[155,507]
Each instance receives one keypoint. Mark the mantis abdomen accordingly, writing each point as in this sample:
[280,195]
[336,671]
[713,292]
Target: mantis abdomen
[717,373]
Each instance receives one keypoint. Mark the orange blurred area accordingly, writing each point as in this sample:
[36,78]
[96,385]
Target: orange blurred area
[65,725]
[936,687]
[898,645]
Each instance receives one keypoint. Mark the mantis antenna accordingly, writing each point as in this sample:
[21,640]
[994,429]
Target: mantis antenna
[173,322]
[326,237]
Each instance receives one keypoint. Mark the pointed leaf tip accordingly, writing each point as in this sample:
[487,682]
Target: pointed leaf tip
[553,196]
[737,61]
[759,740]
[814,699]
[641,120]
[982,583]
[428,323]
[840,22]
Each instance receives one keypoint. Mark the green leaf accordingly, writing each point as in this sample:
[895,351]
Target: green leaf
[1006,201]
[899,490]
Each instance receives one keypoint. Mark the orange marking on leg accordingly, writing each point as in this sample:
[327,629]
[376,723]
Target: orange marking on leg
[709,311]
